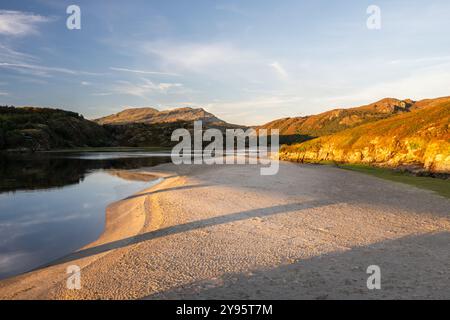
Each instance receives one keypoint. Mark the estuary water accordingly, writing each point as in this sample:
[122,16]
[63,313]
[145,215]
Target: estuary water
[51,204]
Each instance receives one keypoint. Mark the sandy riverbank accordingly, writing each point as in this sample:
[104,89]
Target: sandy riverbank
[228,232]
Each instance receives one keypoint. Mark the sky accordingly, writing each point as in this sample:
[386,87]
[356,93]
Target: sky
[247,61]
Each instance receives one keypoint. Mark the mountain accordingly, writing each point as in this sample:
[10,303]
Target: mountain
[153,116]
[31,128]
[419,137]
[299,129]
[141,127]
[44,128]
[145,135]
[390,131]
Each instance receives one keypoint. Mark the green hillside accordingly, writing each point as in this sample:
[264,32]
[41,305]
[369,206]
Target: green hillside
[44,128]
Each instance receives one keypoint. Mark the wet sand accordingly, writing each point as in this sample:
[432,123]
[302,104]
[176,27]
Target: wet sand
[309,232]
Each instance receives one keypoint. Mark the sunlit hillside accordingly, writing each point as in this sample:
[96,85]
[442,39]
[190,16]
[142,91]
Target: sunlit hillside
[298,129]
[420,137]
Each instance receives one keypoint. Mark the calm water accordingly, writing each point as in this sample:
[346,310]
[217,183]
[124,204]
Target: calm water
[54,203]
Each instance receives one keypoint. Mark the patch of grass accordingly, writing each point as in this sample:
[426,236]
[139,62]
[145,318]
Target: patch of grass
[440,186]
[322,162]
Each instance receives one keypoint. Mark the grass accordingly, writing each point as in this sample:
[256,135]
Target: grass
[440,186]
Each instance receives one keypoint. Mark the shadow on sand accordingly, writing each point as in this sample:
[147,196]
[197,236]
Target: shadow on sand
[412,267]
[261,212]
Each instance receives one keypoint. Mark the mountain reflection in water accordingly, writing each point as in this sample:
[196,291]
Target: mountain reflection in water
[51,204]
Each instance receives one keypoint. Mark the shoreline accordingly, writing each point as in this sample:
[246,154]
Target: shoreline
[124,218]
[226,231]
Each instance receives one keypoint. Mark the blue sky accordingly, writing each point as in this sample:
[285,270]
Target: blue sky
[248,62]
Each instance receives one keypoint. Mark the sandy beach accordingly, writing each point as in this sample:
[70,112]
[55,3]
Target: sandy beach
[212,232]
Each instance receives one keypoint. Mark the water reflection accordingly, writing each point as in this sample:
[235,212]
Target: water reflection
[53,204]
[49,170]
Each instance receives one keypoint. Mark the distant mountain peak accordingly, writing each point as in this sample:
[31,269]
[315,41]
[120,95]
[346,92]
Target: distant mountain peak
[150,115]
[389,105]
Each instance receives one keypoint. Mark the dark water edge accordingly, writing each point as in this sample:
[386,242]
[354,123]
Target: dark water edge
[32,171]
[51,204]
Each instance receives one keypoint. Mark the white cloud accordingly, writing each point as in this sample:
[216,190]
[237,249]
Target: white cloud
[279,69]
[2,93]
[142,89]
[196,56]
[220,63]
[143,71]
[166,86]
[17,23]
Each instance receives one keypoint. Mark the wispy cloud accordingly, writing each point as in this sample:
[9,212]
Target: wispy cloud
[219,62]
[17,23]
[196,56]
[27,64]
[279,69]
[141,89]
[2,93]
[43,70]
[144,71]
[11,55]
